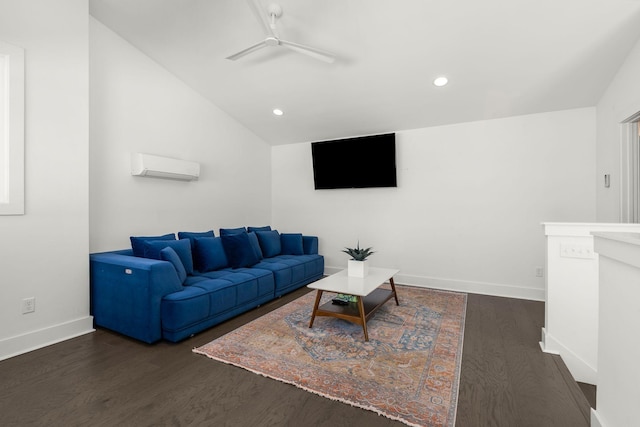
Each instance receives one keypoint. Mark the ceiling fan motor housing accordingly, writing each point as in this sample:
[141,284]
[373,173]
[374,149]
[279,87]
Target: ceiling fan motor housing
[275,10]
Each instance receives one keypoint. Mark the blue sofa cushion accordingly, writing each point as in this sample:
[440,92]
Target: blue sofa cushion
[168,254]
[291,244]
[253,239]
[310,244]
[187,307]
[229,231]
[264,228]
[137,242]
[193,235]
[269,243]
[209,254]
[239,251]
[152,249]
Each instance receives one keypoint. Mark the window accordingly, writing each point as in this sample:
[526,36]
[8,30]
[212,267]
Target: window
[11,130]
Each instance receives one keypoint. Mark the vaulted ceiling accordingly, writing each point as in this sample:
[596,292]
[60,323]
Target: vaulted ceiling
[502,58]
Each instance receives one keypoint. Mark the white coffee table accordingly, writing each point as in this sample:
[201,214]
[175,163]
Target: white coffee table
[370,296]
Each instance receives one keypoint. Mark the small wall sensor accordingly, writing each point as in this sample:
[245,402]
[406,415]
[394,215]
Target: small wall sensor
[607,180]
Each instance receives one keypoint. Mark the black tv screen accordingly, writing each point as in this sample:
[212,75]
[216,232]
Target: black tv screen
[368,161]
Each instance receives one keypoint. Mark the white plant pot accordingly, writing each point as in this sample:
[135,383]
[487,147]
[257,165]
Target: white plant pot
[357,268]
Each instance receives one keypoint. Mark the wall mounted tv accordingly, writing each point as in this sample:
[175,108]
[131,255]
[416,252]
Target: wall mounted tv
[368,161]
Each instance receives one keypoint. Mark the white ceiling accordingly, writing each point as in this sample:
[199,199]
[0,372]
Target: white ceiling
[502,57]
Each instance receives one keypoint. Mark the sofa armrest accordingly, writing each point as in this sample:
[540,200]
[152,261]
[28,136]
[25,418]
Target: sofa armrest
[127,291]
[310,245]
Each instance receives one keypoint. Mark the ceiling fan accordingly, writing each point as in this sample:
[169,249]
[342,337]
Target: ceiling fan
[274,11]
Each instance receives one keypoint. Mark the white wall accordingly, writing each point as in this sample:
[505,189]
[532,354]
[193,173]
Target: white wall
[43,253]
[138,106]
[620,101]
[470,200]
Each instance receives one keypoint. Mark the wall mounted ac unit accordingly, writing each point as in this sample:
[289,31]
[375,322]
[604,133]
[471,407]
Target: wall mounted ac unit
[163,167]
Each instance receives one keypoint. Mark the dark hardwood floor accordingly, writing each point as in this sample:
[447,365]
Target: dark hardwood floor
[104,379]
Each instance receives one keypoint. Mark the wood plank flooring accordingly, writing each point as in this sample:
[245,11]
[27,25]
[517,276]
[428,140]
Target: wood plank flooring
[104,379]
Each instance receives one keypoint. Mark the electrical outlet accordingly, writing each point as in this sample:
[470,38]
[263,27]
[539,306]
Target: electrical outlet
[584,251]
[539,272]
[28,305]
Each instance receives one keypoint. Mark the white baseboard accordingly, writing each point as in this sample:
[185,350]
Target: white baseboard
[580,369]
[595,419]
[24,343]
[543,344]
[483,288]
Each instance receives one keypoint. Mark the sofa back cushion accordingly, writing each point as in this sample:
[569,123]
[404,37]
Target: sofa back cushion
[209,254]
[229,231]
[255,244]
[192,235]
[137,242]
[239,250]
[152,249]
[269,243]
[263,228]
[291,244]
[168,254]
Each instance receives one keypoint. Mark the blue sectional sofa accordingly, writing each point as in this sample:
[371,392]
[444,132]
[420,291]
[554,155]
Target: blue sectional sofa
[168,288]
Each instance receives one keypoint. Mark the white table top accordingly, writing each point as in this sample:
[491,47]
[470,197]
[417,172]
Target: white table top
[362,286]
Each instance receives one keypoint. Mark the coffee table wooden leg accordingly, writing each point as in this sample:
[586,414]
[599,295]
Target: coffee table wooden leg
[393,288]
[363,318]
[315,307]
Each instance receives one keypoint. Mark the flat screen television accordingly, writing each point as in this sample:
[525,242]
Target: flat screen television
[363,162]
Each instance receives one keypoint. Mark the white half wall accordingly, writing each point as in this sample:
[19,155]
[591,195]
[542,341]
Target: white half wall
[571,309]
[44,253]
[138,106]
[620,101]
[618,347]
[467,210]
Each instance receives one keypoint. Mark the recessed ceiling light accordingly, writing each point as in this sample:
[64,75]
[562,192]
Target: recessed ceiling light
[441,81]
[278,112]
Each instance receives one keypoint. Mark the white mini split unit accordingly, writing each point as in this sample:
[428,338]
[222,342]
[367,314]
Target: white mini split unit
[163,167]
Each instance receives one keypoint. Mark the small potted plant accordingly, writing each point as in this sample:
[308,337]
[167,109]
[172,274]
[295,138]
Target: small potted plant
[358,266]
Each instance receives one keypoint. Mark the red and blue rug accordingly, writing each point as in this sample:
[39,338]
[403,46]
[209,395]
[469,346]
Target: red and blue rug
[409,370]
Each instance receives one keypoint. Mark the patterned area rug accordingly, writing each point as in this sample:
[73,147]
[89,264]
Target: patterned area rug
[408,371]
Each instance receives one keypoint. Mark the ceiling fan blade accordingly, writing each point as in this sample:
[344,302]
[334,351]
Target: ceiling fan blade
[261,18]
[247,51]
[322,55]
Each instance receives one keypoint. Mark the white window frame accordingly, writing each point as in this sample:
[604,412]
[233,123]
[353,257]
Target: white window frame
[12,130]
[630,170]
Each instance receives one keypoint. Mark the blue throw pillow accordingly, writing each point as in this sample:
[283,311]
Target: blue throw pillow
[229,231]
[152,249]
[239,251]
[253,239]
[265,228]
[209,254]
[137,242]
[192,235]
[269,243]
[291,244]
[168,254]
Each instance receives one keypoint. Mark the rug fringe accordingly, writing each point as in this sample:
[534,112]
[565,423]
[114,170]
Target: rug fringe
[454,403]
[338,399]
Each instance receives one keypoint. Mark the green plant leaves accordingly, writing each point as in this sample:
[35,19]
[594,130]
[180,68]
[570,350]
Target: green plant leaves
[358,254]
